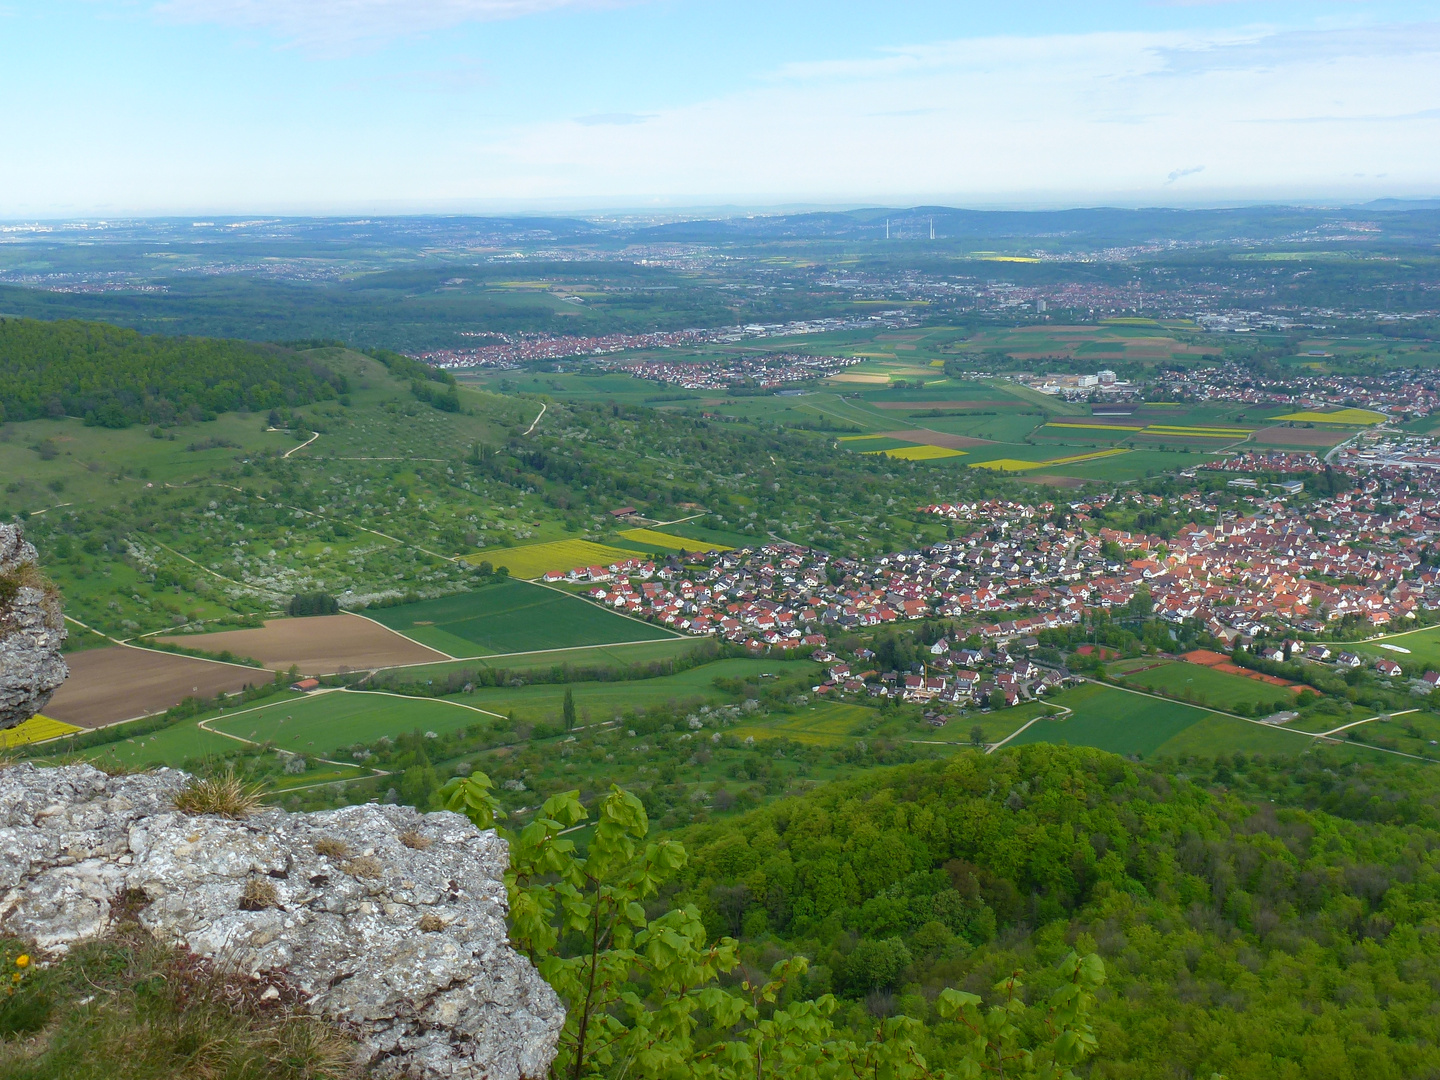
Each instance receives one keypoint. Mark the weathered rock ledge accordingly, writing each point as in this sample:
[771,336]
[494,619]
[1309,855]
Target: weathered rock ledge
[32,629]
[401,940]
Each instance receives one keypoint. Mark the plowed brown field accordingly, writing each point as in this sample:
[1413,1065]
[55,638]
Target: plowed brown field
[317,645]
[1294,436]
[121,683]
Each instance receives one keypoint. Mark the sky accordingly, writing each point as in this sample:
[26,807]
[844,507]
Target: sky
[129,107]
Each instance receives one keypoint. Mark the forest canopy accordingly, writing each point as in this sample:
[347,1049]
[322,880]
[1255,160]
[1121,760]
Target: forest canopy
[1241,937]
[114,377]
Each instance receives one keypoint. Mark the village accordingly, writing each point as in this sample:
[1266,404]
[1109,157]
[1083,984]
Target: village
[1348,566]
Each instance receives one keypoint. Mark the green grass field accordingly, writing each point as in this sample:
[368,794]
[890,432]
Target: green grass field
[323,723]
[511,616]
[1422,648]
[1213,689]
[604,700]
[1110,719]
[611,656]
[1011,427]
[1215,735]
[828,723]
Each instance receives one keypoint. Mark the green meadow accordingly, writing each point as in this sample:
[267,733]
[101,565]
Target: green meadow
[1207,687]
[511,616]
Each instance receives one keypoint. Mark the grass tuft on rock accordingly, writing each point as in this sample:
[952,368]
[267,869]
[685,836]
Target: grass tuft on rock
[259,894]
[227,796]
[128,1008]
[332,848]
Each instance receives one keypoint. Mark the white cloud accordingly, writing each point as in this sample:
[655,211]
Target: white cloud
[1180,174]
[1103,113]
[1083,118]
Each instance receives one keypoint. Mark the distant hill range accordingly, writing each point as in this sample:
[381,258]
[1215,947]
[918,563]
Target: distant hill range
[1397,220]
[340,238]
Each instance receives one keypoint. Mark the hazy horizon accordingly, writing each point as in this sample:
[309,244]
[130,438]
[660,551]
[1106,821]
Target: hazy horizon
[145,108]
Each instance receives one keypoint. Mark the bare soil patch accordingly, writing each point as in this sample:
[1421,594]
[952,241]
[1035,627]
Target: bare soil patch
[926,437]
[1205,657]
[1051,480]
[1221,662]
[121,683]
[318,645]
[1295,436]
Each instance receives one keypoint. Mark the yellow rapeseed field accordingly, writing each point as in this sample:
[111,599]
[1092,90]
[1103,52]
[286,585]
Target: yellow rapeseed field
[36,729]
[918,453]
[1017,465]
[533,560]
[1355,417]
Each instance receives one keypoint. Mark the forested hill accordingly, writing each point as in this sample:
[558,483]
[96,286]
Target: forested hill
[1238,937]
[115,377]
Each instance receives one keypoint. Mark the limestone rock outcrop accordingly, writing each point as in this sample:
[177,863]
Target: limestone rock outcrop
[32,629]
[386,920]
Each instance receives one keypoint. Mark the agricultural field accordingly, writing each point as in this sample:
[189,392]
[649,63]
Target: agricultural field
[983,426]
[582,656]
[706,539]
[1205,686]
[511,616]
[1412,649]
[317,644]
[1301,437]
[121,683]
[925,437]
[873,444]
[1132,723]
[1019,465]
[38,728]
[1347,417]
[1113,720]
[536,560]
[1416,732]
[1139,341]
[922,452]
[653,538]
[327,721]
[1135,465]
[603,700]
[1216,735]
